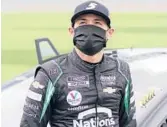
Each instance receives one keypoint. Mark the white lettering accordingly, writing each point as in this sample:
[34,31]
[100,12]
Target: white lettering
[77,124]
[78,108]
[92,122]
[87,124]
[111,121]
[102,123]
[108,78]
[34,96]
[32,106]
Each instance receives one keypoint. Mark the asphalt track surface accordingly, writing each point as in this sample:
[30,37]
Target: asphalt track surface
[147,74]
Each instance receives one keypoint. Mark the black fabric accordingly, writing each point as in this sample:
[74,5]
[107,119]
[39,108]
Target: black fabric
[83,92]
[95,63]
[89,39]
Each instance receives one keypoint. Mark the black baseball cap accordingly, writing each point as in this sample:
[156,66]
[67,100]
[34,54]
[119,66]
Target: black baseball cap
[91,7]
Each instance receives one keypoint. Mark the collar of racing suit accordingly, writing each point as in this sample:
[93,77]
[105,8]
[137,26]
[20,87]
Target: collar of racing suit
[95,63]
[104,65]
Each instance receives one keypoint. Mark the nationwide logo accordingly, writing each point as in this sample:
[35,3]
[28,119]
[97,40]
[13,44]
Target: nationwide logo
[74,98]
[108,122]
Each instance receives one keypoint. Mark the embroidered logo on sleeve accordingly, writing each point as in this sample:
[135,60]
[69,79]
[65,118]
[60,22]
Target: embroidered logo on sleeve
[34,96]
[37,85]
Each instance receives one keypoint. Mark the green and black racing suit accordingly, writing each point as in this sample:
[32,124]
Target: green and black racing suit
[68,92]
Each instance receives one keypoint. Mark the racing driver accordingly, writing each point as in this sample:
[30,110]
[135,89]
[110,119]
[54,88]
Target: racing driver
[84,88]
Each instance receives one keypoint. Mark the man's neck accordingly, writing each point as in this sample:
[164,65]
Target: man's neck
[90,59]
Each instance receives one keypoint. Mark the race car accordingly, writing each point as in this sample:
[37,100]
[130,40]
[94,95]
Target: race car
[149,75]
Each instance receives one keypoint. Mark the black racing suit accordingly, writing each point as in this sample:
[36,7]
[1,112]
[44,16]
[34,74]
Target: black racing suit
[68,92]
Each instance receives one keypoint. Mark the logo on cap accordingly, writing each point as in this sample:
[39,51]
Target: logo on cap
[91,6]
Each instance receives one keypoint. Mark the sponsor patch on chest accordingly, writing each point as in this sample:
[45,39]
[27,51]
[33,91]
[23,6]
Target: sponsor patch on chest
[74,98]
[108,79]
[78,81]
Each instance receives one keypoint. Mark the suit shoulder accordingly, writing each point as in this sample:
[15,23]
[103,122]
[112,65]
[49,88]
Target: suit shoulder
[61,58]
[53,66]
[117,60]
[121,64]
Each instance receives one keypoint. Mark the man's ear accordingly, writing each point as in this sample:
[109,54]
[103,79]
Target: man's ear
[71,31]
[109,33]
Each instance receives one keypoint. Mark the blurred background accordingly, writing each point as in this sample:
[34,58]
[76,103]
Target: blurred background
[137,23]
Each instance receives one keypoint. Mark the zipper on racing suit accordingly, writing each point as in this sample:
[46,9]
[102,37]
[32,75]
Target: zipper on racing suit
[94,74]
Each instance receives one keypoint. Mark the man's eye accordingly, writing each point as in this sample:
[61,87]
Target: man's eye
[81,23]
[98,23]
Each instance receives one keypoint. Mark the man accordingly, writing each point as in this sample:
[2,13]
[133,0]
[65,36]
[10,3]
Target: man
[84,88]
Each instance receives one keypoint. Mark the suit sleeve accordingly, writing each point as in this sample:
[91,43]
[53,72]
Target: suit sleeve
[127,106]
[34,103]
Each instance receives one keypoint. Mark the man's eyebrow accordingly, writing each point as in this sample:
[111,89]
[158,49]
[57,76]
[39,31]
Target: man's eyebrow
[99,19]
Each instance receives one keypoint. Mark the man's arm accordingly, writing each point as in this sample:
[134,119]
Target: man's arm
[34,103]
[127,107]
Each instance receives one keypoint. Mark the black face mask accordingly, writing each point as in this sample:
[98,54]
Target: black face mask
[89,39]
